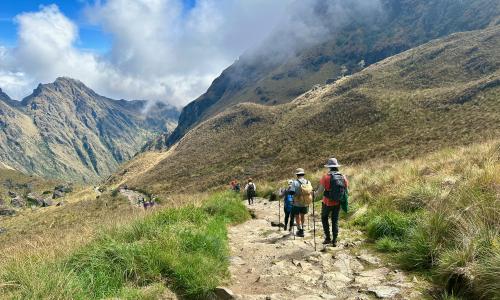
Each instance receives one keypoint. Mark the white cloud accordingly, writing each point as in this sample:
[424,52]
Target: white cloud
[159,51]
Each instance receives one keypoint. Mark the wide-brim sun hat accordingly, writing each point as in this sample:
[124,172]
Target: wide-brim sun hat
[332,163]
[300,171]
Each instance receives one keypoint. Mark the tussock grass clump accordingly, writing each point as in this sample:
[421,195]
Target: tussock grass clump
[440,214]
[186,248]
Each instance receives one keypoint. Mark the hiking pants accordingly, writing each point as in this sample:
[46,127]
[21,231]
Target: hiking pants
[250,199]
[326,212]
[288,216]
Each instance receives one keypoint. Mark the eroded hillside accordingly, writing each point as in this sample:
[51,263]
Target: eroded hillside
[66,130]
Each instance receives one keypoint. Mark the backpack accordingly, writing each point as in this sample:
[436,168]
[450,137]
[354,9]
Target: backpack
[304,194]
[337,187]
[251,190]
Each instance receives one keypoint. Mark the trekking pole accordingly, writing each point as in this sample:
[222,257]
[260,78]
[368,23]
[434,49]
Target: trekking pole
[279,214]
[314,225]
[309,219]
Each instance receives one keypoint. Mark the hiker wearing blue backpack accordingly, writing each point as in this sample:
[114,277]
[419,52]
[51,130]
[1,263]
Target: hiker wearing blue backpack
[288,204]
[334,188]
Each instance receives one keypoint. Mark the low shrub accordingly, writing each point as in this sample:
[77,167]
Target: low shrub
[389,224]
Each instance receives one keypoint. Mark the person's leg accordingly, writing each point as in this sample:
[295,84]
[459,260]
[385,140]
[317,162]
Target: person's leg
[292,219]
[287,215]
[335,223]
[325,212]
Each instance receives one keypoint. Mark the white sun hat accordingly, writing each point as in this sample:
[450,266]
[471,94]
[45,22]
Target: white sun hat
[332,163]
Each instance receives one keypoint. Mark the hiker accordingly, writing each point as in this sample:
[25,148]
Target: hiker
[334,188]
[232,185]
[302,197]
[237,187]
[251,189]
[287,204]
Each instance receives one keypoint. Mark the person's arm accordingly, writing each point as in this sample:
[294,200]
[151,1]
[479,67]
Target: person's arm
[319,191]
[292,188]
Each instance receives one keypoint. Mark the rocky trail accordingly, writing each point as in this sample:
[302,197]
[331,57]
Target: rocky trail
[270,264]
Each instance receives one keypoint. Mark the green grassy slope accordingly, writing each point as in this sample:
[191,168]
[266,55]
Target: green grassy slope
[443,93]
[273,74]
[186,248]
[438,214]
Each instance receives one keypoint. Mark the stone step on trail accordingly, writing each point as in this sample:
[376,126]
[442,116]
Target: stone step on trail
[269,263]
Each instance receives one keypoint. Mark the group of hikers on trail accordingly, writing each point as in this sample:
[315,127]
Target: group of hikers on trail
[250,189]
[299,195]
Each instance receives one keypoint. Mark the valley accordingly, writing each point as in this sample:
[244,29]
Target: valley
[129,199]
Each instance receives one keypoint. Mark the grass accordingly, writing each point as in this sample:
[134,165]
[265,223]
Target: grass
[184,248]
[439,215]
[385,112]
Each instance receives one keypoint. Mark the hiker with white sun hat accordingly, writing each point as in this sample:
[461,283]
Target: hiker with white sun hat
[302,197]
[334,188]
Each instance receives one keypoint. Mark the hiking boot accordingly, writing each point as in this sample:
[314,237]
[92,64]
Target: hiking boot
[334,243]
[327,241]
[290,229]
[300,232]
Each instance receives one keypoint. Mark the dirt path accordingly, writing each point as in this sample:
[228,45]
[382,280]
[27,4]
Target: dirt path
[134,197]
[271,264]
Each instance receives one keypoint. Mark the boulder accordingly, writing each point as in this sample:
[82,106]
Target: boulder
[34,199]
[64,188]
[384,291]
[4,211]
[57,194]
[2,202]
[47,202]
[12,194]
[18,202]
[223,293]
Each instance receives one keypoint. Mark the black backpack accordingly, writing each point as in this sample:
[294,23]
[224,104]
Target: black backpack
[337,187]
[251,190]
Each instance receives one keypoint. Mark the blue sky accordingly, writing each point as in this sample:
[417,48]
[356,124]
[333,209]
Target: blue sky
[166,50]
[90,37]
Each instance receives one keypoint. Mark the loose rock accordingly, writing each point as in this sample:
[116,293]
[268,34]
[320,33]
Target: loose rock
[223,293]
[4,211]
[384,291]
[18,202]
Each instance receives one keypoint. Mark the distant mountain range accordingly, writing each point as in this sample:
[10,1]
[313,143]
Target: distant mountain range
[66,130]
[272,75]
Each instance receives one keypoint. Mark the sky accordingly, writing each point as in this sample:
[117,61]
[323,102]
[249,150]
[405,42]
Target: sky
[162,50]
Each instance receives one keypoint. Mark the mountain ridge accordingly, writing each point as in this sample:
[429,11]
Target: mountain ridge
[65,129]
[441,94]
[401,26]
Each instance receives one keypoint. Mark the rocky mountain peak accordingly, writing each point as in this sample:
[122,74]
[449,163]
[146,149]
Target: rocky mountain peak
[4,96]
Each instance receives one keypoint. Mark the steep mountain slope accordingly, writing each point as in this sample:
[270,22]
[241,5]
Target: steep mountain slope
[442,93]
[66,130]
[354,37]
